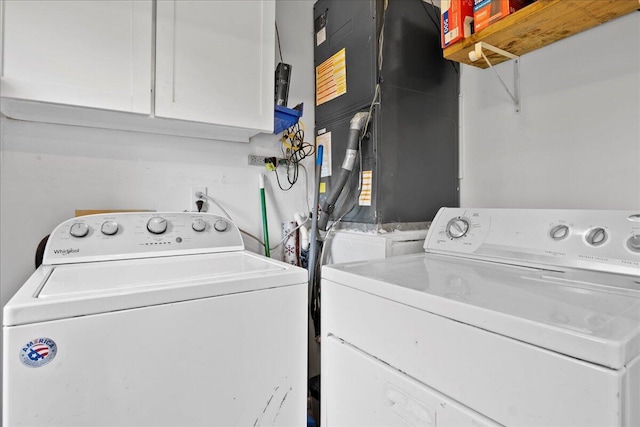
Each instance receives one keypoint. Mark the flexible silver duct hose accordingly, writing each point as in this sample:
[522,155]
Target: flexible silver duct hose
[355,128]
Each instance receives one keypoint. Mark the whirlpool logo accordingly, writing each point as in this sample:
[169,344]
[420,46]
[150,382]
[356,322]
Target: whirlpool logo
[66,251]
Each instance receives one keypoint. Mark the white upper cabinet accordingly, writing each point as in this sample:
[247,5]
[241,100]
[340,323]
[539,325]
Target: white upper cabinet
[84,53]
[211,63]
[215,62]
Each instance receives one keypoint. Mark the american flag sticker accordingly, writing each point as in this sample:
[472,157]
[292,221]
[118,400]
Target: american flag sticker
[38,352]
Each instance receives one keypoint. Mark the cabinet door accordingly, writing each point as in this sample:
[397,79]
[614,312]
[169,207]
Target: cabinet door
[215,62]
[84,53]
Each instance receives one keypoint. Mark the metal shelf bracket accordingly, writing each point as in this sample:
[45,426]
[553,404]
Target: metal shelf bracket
[478,53]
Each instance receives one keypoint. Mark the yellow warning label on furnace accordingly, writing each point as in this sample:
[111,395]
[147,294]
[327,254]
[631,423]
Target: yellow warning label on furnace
[331,78]
[365,193]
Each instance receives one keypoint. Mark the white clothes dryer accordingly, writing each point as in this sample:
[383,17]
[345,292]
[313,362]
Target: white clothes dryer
[510,317]
[157,319]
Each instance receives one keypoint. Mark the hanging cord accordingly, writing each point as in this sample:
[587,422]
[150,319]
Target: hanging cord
[294,150]
[286,236]
[314,303]
[284,239]
[435,21]
[330,235]
[201,195]
[380,44]
[306,186]
[252,236]
[314,297]
[279,47]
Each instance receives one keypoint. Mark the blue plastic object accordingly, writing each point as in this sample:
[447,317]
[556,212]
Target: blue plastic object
[310,421]
[284,117]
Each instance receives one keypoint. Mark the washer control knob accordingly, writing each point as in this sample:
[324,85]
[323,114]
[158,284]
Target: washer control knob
[109,228]
[157,225]
[199,225]
[633,243]
[559,232]
[597,236]
[220,225]
[457,227]
[79,229]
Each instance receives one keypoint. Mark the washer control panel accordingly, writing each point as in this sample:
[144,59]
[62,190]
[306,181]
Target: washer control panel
[114,236]
[589,239]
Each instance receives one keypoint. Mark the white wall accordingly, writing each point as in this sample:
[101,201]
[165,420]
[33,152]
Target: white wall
[576,143]
[47,171]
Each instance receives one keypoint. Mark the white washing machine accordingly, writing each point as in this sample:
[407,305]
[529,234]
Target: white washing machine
[510,317]
[149,319]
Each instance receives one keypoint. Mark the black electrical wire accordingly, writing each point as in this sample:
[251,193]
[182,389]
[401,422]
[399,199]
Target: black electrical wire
[278,180]
[279,47]
[314,303]
[296,151]
[436,22]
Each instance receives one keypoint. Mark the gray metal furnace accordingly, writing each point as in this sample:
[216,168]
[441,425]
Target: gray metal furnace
[409,154]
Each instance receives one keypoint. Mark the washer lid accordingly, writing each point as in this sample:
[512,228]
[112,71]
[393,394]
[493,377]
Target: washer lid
[82,289]
[587,315]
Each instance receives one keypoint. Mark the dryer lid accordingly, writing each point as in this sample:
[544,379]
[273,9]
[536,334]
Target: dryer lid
[583,314]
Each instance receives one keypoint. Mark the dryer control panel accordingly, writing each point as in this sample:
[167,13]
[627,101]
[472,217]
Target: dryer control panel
[588,239]
[105,237]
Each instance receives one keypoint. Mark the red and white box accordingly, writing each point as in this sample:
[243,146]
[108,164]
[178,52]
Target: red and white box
[456,20]
[486,12]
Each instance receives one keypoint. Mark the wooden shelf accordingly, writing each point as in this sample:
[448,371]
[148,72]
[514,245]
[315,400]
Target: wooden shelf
[538,25]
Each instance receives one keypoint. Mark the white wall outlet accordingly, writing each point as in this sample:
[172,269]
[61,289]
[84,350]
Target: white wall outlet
[256,160]
[193,207]
[262,160]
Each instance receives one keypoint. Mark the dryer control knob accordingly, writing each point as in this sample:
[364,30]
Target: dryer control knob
[457,227]
[109,228]
[157,225]
[220,225]
[199,225]
[633,243]
[79,229]
[597,236]
[559,232]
